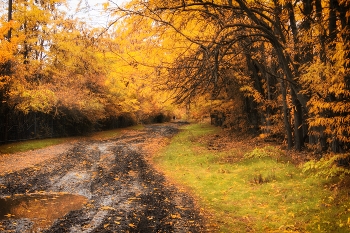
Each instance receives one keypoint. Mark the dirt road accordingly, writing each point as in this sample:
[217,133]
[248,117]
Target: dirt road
[98,186]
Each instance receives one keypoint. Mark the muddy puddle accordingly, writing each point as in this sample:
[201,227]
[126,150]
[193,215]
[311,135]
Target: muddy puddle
[41,209]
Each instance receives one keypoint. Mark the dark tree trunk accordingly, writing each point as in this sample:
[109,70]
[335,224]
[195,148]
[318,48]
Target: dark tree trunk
[306,49]
[322,37]
[9,19]
[252,114]
[7,126]
[257,79]
[286,118]
[292,21]
[332,24]
[303,55]
[298,122]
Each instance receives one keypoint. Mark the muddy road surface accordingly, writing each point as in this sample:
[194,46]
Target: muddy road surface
[98,186]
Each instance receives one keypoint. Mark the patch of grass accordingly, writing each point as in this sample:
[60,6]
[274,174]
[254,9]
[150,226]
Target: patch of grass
[107,134]
[284,200]
[42,143]
[30,145]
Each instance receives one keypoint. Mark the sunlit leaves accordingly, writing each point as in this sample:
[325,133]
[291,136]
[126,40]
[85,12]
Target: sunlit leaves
[329,105]
[40,100]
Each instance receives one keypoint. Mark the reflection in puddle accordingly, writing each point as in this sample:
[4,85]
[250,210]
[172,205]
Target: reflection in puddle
[42,209]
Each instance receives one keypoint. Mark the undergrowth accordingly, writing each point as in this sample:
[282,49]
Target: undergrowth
[262,191]
[329,166]
[265,152]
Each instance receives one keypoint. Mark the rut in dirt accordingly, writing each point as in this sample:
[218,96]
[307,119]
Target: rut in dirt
[123,192]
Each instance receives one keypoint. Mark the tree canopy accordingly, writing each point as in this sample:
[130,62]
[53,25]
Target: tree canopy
[274,67]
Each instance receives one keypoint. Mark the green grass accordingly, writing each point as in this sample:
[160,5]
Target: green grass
[286,200]
[30,145]
[42,143]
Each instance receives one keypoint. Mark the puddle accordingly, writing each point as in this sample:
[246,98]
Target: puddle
[42,209]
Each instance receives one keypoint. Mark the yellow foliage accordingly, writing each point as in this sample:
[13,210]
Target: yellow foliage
[329,106]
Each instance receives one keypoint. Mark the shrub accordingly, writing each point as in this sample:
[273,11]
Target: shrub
[267,151]
[331,165]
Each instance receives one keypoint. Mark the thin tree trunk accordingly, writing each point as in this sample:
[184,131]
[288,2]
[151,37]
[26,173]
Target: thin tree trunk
[286,115]
[268,109]
[322,37]
[332,23]
[298,122]
[7,126]
[9,19]
[307,52]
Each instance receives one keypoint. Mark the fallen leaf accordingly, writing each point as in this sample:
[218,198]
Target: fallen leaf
[107,208]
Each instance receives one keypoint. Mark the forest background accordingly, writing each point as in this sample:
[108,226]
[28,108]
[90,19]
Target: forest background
[274,68]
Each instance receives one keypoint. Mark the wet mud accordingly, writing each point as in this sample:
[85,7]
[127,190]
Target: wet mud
[120,190]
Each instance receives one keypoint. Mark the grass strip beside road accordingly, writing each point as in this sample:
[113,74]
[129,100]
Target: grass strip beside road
[28,145]
[248,189]
[23,146]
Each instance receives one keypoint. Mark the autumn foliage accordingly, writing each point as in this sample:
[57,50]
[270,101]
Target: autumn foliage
[277,68]
[60,76]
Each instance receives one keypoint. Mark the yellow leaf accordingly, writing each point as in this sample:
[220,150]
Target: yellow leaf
[177,215]
[107,208]
[105,5]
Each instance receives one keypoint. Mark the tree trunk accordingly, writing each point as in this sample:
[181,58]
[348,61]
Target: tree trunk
[306,49]
[252,113]
[332,24]
[322,37]
[286,118]
[298,122]
[9,19]
[7,126]
[268,109]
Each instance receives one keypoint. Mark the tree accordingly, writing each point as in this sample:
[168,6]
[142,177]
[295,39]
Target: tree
[263,48]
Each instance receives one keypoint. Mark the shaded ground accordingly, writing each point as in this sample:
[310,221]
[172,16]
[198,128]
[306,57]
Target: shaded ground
[124,193]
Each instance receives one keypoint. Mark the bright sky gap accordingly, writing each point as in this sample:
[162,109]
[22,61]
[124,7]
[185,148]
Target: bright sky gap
[91,11]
